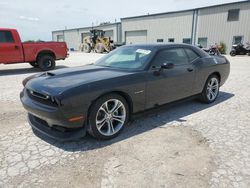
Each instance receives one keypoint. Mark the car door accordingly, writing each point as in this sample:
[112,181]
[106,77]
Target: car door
[10,52]
[173,83]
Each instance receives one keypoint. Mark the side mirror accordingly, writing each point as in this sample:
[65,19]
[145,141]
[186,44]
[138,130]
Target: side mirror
[167,66]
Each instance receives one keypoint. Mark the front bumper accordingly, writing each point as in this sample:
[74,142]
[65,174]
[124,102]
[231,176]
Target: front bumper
[51,121]
[55,132]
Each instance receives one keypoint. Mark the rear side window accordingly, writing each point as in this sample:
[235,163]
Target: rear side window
[191,55]
[6,37]
[176,56]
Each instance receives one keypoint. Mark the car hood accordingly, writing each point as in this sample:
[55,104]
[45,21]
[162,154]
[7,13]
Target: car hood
[58,81]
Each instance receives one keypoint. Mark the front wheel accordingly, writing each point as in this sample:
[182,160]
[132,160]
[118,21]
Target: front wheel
[211,90]
[108,116]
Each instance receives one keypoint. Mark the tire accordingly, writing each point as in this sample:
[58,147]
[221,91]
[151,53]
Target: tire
[104,123]
[46,62]
[99,48]
[233,53]
[34,64]
[211,90]
[86,48]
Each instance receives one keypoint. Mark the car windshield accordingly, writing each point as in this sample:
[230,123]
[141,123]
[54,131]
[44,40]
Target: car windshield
[129,57]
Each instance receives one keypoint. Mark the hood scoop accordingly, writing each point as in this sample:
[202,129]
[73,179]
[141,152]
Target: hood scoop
[48,74]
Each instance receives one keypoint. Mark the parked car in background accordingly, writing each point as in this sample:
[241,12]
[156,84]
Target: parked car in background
[100,98]
[39,54]
[240,49]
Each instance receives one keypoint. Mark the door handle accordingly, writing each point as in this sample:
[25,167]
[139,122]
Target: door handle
[16,47]
[190,69]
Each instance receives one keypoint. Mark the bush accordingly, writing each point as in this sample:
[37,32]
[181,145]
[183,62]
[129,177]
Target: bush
[222,48]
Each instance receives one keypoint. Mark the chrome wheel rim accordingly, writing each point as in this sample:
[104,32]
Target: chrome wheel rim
[110,117]
[212,89]
[48,63]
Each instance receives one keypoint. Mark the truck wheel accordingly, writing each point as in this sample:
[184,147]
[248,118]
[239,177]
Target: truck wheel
[99,48]
[46,62]
[34,64]
[86,48]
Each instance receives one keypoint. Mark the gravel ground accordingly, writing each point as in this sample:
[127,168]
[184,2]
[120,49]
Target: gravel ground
[185,145]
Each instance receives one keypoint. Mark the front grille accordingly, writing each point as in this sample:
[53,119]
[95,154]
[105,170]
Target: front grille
[41,98]
[54,127]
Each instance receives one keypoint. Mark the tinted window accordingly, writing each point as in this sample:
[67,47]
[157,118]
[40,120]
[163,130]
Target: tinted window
[238,39]
[191,54]
[233,15]
[6,37]
[186,41]
[171,40]
[160,40]
[176,56]
[202,42]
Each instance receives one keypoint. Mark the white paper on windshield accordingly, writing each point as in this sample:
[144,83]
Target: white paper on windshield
[142,51]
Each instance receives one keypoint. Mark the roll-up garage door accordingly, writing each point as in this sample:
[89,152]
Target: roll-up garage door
[136,37]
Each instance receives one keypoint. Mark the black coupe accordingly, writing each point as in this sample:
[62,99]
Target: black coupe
[100,98]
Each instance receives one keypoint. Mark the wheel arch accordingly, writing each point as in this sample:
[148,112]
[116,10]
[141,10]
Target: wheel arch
[217,74]
[121,93]
[45,52]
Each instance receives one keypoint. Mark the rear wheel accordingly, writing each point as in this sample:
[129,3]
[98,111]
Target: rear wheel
[46,62]
[34,64]
[211,89]
[108,116]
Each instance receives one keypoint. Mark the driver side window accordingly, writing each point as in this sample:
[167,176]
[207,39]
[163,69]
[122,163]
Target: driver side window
[177,56]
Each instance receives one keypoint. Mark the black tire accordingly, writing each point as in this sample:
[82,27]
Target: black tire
[94,112]
[46,62]
[233,53]
[204,96]
[86,48]
[99,48]
[34,64]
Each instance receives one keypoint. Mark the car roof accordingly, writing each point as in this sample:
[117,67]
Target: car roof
[152,45]
[167,45]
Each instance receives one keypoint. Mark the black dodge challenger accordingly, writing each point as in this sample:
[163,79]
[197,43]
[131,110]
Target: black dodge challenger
[100,98]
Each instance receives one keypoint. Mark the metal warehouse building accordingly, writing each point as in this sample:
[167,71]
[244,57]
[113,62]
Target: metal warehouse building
[74,37]
[228,23]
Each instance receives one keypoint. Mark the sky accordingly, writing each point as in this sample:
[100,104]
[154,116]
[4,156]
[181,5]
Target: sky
[36,19]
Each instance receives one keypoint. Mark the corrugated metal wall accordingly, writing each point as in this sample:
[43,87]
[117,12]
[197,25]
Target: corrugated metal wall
[213,24]
[177,26]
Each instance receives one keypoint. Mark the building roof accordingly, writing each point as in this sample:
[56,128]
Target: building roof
[182,11]
[89,27]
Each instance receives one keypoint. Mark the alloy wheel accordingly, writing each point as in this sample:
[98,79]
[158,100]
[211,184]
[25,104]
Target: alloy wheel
[111,117]
[212,89]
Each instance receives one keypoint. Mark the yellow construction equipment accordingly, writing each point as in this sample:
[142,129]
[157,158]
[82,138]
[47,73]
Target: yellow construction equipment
[97,42]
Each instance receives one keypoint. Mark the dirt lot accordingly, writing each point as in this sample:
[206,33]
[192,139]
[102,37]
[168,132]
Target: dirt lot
[186,145]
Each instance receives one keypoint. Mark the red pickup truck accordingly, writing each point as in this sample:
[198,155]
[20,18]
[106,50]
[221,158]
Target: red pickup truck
[39,54]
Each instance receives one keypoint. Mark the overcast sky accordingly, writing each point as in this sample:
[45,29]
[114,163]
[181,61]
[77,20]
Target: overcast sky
[35,19]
